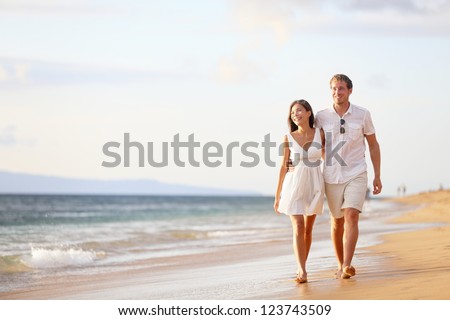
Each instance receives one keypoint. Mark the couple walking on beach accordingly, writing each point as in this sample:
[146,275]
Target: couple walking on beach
[336,136]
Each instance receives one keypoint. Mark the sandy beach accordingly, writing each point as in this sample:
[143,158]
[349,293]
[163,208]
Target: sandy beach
[416,264]
[410,265]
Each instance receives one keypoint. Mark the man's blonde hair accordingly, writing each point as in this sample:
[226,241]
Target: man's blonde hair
[342,77]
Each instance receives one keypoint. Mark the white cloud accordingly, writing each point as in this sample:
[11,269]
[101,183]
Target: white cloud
[7,136]
[267,22]
[287,17]
[35,72]
[3,74]
[21,71]
[239,66]
[236,69]
[266,16]
[13,73]
[53,7]
[259,23]
[400,6]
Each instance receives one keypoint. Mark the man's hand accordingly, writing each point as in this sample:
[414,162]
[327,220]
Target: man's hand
[290,166]
[377,186]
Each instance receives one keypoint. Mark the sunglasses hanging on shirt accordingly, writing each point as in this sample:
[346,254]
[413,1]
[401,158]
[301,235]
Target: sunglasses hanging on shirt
[342,129]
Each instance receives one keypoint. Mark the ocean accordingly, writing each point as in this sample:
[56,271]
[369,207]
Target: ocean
[64,235]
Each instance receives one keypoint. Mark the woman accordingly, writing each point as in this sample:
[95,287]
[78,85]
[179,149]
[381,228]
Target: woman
[300,192]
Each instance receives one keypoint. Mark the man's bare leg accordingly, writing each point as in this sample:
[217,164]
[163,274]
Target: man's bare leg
[350,238]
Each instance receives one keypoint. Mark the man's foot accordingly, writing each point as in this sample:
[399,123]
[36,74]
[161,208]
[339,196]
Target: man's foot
[348,272]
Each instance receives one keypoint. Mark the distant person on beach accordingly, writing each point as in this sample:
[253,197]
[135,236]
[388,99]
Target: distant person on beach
[401,190]
[300,192]
[345,170]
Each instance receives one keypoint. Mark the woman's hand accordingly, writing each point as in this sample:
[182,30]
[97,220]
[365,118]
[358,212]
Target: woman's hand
[275,205]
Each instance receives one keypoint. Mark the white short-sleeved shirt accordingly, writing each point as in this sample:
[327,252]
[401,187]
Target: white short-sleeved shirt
[344,153]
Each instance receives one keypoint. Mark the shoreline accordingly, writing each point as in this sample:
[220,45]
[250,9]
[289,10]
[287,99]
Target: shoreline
[408,265]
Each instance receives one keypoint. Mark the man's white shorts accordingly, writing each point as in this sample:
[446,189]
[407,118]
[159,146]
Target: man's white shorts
[350,194]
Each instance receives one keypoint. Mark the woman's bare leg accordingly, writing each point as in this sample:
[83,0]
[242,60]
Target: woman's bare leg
[298,237]
[309,223]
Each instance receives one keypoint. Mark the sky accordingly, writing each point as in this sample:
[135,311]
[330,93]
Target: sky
[76,75]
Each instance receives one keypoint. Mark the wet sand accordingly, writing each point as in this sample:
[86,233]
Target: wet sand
[408,265]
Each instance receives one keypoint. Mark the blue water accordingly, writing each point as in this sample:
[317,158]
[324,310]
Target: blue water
[43,235]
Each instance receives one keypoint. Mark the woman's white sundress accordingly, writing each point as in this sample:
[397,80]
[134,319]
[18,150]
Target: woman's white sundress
[303,189]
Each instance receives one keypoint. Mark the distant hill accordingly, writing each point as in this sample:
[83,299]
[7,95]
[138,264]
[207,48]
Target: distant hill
[21,183]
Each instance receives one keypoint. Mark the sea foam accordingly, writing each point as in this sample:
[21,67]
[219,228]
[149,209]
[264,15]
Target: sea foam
[45,258]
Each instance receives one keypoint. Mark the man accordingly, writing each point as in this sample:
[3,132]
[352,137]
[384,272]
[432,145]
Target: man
[345,126]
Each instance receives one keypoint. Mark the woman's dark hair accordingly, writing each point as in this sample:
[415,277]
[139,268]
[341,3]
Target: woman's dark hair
[307,107]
